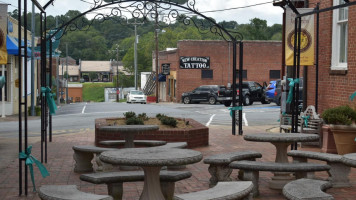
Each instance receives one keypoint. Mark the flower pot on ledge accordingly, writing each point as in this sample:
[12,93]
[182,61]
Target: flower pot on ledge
[328,140]
[344,136]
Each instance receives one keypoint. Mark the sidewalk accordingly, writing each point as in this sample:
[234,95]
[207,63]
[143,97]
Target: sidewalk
[60,166]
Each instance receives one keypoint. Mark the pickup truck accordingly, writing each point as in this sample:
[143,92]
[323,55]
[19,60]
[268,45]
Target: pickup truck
[252,91]
[208,93]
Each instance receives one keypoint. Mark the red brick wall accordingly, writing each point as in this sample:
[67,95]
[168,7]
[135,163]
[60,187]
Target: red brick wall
[259,58]
[334,89]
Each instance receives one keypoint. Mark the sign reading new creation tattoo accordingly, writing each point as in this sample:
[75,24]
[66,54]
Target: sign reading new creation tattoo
[194,62]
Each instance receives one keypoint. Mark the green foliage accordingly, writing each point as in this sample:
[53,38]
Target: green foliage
[134,121]
[160,116]
[37,111]
[341,115]
[95,91]
[170,121]
[129,114]
[143,116]
[93,75]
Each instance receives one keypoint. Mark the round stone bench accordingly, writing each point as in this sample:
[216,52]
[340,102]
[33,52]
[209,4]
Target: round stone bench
[252,168]
[306,189]
[67,192]
[338,172]
[219,164]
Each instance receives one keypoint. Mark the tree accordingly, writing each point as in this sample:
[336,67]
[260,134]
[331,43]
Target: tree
[93,75]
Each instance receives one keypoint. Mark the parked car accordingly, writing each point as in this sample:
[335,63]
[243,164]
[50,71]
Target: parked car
[278,92]
[252,91]
[270,90]
[136,96]
[208,93]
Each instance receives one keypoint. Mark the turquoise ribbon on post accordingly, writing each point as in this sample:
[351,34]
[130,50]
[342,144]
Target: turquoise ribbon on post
[30,160]
[291,89]
[46,91]
[234,108]
[306,119]
[352,96]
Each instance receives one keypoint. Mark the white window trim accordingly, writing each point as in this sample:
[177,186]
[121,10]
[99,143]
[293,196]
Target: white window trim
[335,64]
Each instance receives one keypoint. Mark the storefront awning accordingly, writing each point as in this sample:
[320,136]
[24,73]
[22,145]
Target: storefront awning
[12,46]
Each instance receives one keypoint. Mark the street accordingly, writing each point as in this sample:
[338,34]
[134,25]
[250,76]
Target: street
[77,117]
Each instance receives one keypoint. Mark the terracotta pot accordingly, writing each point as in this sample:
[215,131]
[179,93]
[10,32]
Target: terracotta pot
[328,140]
[344,136]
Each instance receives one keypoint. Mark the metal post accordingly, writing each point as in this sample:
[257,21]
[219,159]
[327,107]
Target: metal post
[234,87]
[67,73]
[240,85]
[135,56]
[33,61]
[117,74]
[317,59]
[156,61]
[20,95]
[50,86]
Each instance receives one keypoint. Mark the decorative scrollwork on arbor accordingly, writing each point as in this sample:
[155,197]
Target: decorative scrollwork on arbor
[166,12]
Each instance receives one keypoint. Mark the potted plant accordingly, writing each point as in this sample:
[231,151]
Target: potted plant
[342,120]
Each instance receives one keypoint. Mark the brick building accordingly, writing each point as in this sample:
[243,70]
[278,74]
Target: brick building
[337,57]
[262,63]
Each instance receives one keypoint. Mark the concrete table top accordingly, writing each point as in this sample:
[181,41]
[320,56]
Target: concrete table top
[349,159]
[129,132]
[151,160]
[281,137]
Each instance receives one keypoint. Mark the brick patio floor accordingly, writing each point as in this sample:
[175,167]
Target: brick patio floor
[60,166]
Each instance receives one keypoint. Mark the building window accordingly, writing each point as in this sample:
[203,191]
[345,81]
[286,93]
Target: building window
[339,37]
[206,73]
[244,74]
[274,74]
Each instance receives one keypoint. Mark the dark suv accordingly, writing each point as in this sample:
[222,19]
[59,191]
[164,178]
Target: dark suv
[278,92]
[252,91]
[208,93]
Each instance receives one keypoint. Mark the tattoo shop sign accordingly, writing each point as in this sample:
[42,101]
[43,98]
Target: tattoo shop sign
[194,62]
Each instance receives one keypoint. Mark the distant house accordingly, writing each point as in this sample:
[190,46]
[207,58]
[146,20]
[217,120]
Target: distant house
[96,71]
[73,72]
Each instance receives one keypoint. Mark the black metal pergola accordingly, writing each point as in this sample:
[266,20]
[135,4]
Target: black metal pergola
[139,9]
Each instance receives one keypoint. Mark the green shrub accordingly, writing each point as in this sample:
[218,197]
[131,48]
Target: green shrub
[37,111]
[160,116]
[134,121]
[170,121]
[129,115]
[143,116]
[341,115]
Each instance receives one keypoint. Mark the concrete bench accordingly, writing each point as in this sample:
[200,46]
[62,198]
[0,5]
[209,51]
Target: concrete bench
[222,191]
[148,143]
[219,164]
[67,192]
[178,145]
[306,189]
[115,180]
[252,168]
[83,155]
[338,172]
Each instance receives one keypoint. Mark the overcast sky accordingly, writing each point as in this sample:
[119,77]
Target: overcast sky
[241,15]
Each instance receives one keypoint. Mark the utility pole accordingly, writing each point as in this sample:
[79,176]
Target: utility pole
[135,56]
[67,73]
[33,61]
[156,60]
[117,74]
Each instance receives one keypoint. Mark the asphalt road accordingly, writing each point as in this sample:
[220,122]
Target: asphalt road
[81,116]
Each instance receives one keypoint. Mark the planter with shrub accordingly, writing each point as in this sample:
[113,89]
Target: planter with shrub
[341,121]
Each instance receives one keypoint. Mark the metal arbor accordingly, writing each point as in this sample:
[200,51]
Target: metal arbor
[138,9]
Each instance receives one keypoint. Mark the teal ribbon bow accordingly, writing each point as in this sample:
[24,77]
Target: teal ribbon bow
[291,89]
[234,108]
[352,96]
[30,160]
[46,91]
[306,119]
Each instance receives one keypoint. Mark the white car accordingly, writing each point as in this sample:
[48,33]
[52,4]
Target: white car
[136,96]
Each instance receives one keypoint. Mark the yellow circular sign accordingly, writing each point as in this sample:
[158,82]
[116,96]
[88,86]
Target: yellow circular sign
[305,40]
[17,83]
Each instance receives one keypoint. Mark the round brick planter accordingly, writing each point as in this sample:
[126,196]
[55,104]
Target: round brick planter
[196,136]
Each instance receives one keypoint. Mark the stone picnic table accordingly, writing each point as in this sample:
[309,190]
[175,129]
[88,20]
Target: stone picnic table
[129,132]
[281,141]
[151,160]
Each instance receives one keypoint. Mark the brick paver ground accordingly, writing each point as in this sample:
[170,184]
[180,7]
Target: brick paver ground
[60,165]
